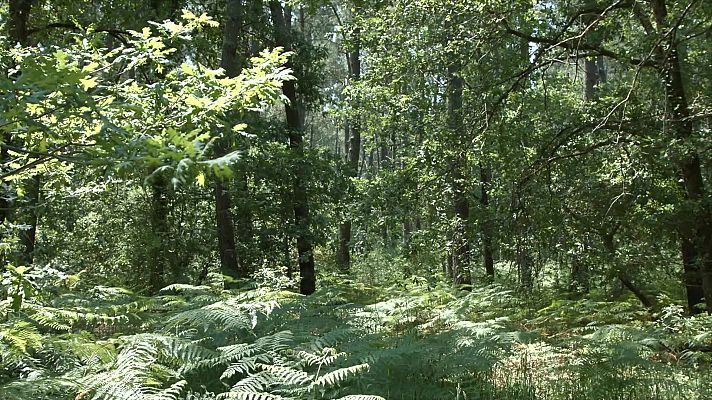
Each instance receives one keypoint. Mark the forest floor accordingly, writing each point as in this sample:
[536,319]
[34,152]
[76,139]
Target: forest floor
[413,339]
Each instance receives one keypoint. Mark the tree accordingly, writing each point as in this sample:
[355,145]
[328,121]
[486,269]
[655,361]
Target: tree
[352,140]
[294,123]
[231,62]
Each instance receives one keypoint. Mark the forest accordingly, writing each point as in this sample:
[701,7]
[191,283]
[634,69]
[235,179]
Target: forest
[356,199]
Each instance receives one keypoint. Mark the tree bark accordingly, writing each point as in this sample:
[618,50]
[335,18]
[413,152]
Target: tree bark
[353,150]
[688,161]
[461,206]
[31,216]
[18,31]
[307,283]
[523,256]
[593,76]
[691,277]
[231,62]
[644,298]
[486,224]
[157,260]
[17,24]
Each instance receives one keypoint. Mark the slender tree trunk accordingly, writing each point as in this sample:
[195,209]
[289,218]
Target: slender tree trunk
[231,62]
[157,259]
[353,150]
[19,11]
[688,161]
[639,294]
[31,216]
[17,24]
[691,277]
[343,253]
[594,75]
[460,202]
[609,244]
[347,136]
[245,225]
[486,224]
[307,283]
[522,246]
[286,216]
[461,243]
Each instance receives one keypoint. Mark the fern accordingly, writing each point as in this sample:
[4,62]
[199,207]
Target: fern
[337,376]
[230,314]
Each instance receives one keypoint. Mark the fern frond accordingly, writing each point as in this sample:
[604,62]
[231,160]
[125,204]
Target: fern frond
[20,337]
[286,375]
[255,383]
[249,396]
[227,315]
[334,377]
[328,357]
[170,393]
[331,339]
[241,367]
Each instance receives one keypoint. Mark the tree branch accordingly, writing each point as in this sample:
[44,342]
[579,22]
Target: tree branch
[117,33]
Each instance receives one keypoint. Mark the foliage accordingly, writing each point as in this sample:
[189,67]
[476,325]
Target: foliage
[498,200]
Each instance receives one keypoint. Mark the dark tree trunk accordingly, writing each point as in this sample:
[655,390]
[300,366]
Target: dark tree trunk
[523,256]
[157,260]
[343,253]
[17,23]
[307,283]
[19,11]
[486,224]
[461,206]
[644,298]
[693,283]
[592,77]
[231,62]
[226,233]
[31,216]
[407,233]
[352,146]
[245,226]
[689,161]
[461,243]
[609,244]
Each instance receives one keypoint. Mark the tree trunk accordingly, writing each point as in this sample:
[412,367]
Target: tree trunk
[688,161]
[231,62]
[31,216]
[17,23]
[353,149]
[523,258]
[486,224]
[307,283]
[460,202]
[229,263]
[19,11]
[691,277]
[157,259]
[592,77]
[245,225]
[343,253]
[644,298]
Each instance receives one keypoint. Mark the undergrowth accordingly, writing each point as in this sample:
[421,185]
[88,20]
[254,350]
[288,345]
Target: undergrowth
[413,340]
